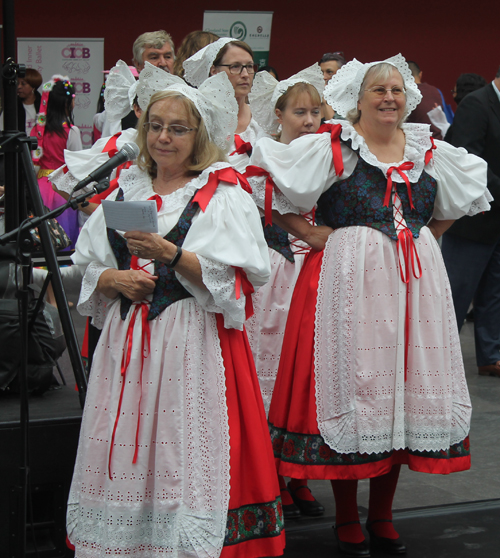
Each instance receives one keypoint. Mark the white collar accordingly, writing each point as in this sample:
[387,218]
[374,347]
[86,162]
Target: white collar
[418,142]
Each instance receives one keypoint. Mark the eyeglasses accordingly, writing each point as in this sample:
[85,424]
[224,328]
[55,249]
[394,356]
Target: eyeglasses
[236,69]
[177,130]
[382,91]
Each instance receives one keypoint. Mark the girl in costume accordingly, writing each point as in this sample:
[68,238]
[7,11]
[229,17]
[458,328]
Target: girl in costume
[287,110]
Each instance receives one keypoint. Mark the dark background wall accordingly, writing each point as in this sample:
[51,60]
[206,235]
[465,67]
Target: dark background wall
[445,38]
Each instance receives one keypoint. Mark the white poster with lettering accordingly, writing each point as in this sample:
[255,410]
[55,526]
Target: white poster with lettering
[82,60]
[254,28]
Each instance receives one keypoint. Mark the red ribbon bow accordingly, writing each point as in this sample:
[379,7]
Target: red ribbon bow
[334,130]
[111,149]
[428,154]
[403,167]
[252,170]
[242,283]
[228,174]
[242,147]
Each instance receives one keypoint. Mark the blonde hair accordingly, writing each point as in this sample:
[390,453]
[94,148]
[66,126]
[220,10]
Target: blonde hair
[205,152]
[382,72]
[292,93]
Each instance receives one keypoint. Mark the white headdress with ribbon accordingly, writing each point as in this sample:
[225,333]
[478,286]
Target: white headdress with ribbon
[214,100]
[266,91]
[197,67]
[120,92]
[342,91]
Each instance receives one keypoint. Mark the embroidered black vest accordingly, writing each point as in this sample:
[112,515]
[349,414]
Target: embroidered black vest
[359,200]
[277,239]
[168,289]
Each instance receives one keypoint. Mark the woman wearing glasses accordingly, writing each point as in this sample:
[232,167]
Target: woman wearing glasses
[235,58]
[371,373]
[174,430]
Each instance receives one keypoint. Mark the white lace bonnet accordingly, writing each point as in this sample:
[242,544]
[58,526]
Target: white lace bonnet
[197,67]
[342,91]
[214,100]
[266,91]
[120,92]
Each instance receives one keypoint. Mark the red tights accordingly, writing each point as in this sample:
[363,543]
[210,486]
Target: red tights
[382,491]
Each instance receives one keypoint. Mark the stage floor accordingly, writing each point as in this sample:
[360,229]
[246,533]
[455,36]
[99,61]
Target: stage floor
[438,516]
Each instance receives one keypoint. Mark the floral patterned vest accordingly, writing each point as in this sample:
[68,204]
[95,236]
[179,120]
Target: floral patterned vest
[359,200]
[168,289]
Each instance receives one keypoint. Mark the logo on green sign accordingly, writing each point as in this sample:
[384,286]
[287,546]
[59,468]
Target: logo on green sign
[238,31]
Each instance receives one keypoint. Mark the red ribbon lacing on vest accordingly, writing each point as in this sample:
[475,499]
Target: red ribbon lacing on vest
[334,130]
[241,282]
[403,167]
[242,147]
[405,247]
[111,149]
[252,170]
[298,244]
[228,174]
[127,354]
[428,154]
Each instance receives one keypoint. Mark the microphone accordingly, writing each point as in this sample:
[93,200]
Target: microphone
[128,152]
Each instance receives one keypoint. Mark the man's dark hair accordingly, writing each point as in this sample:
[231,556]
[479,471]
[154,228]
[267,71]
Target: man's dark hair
[414,67]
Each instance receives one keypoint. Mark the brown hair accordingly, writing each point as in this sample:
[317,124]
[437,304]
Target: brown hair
[33,77]
[205,153]
[226,47]
[192,43]
[292,93]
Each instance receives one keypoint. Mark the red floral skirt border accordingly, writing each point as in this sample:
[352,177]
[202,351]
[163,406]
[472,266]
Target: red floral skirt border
[308,456]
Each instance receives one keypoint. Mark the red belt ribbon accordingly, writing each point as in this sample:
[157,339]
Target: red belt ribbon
[127,353]
[403,167]
[428,154]
[228,174]
[252,170]
[406,248]
[334,130]
[242,283]
[242,147]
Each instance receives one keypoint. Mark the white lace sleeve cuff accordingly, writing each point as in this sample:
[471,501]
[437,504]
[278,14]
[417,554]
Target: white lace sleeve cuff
[280,202]
[91,302]
[219,295]
[63,181]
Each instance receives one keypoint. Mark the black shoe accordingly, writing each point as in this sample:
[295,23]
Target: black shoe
[353,550]
[391,546]
[290,511]
[311,508]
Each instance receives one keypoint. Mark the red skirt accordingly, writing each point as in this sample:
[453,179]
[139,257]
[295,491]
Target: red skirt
[255,518]
[299,449]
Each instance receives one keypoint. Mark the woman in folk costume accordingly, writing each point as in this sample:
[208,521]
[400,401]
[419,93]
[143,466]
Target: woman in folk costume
[235,58]
[371,373]
[56,132]
[174,455]
[287,110]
